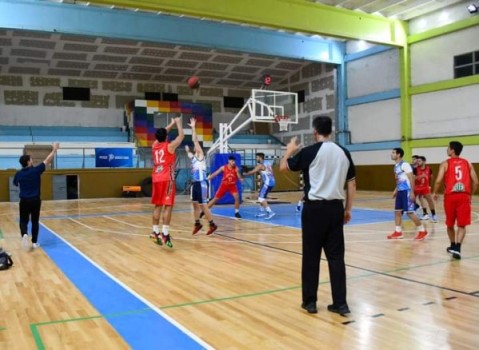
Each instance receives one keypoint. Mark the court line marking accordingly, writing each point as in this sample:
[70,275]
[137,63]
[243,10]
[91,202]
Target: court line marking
[247,295]
[132,292]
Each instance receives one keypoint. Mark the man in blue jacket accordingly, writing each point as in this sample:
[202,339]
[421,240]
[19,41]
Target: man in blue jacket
[29,180]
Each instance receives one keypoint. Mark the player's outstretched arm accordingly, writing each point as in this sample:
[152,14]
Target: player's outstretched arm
[179,139]
[196,142]
[257,169]
[49,158]
[213,175]
[170,125]
[440,177]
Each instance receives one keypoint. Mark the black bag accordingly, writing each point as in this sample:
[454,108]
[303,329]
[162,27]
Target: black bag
[5,260]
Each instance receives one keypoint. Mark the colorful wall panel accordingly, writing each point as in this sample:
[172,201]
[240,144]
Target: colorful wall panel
[144,114]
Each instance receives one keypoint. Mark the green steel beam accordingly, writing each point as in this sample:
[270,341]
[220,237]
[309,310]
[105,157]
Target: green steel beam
[406,109]
[444,142]
[294,15]
[449,28]
[444,85]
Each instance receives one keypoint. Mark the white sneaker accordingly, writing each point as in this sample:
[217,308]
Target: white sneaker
[36,245]
[270,215]
[424,217]
[434,218]
[25,242]
[260,214]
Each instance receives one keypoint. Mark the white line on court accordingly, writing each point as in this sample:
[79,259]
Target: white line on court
[150,305]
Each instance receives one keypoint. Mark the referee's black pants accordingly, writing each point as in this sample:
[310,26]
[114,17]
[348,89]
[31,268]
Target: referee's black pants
[322,226]
[30,210]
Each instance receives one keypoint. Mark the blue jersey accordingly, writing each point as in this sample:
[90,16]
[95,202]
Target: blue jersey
[401,170]
[198,169]
[267,174]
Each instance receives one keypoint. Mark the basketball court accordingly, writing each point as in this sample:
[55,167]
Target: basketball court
[98,282]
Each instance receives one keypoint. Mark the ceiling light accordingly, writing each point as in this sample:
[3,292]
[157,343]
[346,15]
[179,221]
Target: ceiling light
[472,8]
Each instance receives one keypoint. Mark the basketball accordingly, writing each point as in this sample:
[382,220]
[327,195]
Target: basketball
[194,82]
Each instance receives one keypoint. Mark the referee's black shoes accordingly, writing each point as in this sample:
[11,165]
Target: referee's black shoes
[310,307]
[341,309]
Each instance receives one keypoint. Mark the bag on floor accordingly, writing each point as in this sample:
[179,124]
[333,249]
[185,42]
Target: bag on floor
[5,260]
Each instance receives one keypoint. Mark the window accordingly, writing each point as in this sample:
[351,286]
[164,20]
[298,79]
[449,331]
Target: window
[466,64]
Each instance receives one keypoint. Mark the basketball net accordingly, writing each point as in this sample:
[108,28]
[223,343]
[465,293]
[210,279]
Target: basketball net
[283,121]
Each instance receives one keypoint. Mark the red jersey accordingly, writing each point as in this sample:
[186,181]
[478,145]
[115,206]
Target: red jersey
[457,178]
[163,162]
[424,181]
[230,176]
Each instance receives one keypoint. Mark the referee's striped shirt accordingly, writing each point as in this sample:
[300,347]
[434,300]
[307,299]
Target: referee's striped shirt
[326,168]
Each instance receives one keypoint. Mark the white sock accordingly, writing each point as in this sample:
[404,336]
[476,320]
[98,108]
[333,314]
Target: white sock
[156,229]
[299,203]
[261,209]
[236,211]
[398,229]
[268,209]
[165,230]
[420,228]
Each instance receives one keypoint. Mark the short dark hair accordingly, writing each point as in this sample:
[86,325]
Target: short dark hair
[260,155]
[161,134]
[456,146]
[415,156]
[231,158]
[422,158]
[323,125]
[24,160]
[399,151]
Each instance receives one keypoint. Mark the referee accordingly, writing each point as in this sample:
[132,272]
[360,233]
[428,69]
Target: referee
[326,167]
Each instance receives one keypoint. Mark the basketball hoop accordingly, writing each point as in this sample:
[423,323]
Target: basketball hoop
[283,121]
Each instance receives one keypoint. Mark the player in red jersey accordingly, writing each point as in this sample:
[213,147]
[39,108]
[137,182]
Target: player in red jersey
[164,186]
[422,188]
[460,180]
[231,174]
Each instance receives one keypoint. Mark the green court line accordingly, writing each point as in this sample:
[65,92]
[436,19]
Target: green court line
[3,328]
[1,237]
[41,346]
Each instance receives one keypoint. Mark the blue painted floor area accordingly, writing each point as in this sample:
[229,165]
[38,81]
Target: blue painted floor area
[144,329]
[286,215]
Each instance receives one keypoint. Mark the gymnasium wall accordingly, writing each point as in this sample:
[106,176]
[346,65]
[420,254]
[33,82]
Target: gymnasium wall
[318,81]
[22,95]
[442,108]
[372,97]
[105,183]
[94,183]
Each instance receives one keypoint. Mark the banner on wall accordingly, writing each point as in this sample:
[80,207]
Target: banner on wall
[114,157]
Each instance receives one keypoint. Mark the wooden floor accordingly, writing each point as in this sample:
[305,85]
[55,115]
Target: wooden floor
[240,288]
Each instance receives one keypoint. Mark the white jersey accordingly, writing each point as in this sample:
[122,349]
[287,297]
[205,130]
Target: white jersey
[198,169]
[401,170]
[267,174]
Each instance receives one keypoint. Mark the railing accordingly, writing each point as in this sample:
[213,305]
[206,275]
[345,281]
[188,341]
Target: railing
[67,157]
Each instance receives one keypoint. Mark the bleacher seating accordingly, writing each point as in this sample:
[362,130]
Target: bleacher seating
[78,143]
[61,134]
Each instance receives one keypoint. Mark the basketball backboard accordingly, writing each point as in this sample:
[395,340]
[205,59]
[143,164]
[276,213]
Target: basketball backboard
[267,105]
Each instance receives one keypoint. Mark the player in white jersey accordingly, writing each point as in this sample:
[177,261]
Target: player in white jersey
[199,188]
[265,169]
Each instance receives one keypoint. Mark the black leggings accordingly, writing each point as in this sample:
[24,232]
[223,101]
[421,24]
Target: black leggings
[30,209]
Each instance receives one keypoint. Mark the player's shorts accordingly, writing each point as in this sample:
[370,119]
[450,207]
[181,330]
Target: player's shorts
[403,202]
[231,188]
[263,192]
[422,191]
[163,193]
[199,192]
[457,207]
